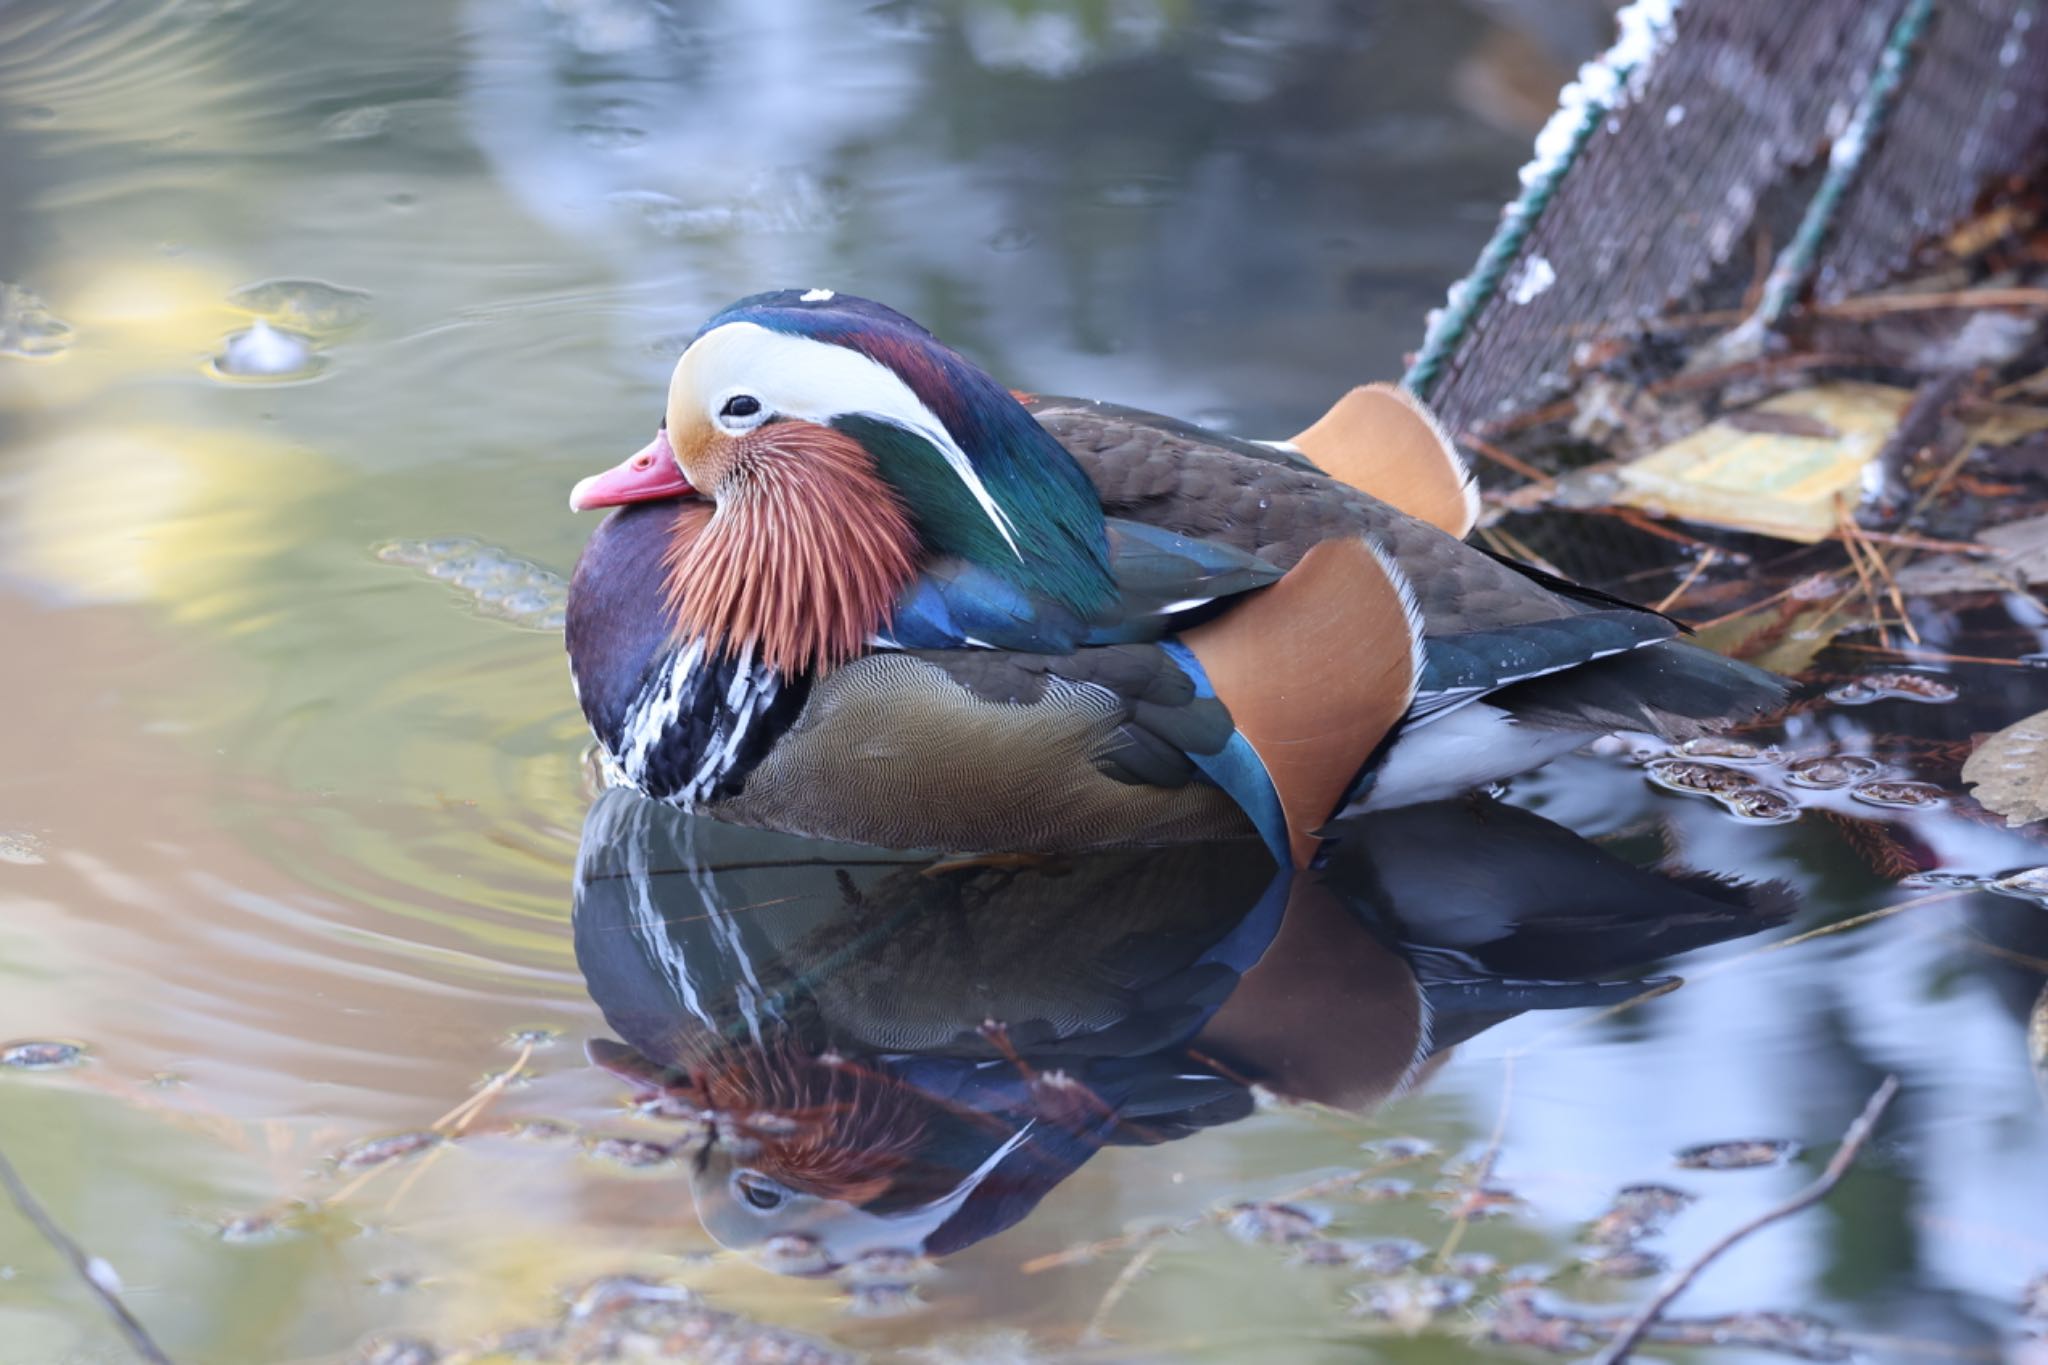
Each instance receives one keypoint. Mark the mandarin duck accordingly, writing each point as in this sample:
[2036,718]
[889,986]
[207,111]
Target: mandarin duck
[857,589]
[876,1056]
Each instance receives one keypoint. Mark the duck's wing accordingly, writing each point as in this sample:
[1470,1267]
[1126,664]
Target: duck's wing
[1115,745]
[1488,623]
[1163,579]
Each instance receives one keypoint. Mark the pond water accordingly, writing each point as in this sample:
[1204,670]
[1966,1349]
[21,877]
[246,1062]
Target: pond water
[299,849]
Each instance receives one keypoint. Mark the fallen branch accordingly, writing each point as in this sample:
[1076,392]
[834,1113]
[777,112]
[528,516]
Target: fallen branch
[1631,1335]
[97,1274]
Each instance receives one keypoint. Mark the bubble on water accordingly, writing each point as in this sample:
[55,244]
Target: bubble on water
[312,306]
[21,849]
[1893,685]
[1827,771]
[35,1054]
[499,585]
[358,124]
[264,352]
[1899,795]
[28,329]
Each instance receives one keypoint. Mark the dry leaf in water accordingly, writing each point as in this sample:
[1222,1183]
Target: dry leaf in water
[2009,771]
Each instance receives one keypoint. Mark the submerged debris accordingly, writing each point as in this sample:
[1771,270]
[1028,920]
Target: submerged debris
[2008,772]
[265,1225]
[2030,884]
[636,1153]
[1386,1189]
[28,329]
[1777,469]
[1738,791]
[501,586]
[1626,1263]
[1526,1318]
[1828,771]
[362,1155]
[1899,794]
[400,1351]
[1412,1303]
[1724,747]
[882,1300]
[1742,1154]
[793,1253]
[1637,1212]
[311,306]
[1895,685]
[1388,1255]
[630,1318]
[2034,1305]
[1272,1223]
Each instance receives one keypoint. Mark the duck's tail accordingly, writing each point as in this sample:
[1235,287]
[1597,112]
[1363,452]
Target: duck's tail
[1674,689]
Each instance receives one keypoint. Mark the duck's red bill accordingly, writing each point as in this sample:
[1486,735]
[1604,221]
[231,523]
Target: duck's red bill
[649,473]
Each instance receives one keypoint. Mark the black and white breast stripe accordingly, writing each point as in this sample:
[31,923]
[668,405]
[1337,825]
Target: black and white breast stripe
[700,724]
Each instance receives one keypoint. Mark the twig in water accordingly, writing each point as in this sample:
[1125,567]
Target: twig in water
[1504,459]
[1838,1165]
[1483,1172]
[1699,566]
[1118,1287]
[98,1276]
[460,1117]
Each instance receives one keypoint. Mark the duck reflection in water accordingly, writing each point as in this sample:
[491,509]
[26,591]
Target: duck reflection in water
[891,1055]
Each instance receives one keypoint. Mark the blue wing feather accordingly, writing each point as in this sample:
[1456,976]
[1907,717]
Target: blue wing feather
[1161,579]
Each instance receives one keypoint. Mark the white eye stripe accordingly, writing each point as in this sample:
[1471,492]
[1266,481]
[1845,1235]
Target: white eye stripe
[815,381]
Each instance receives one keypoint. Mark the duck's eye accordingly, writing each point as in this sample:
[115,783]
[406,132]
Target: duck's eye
[741,411]
[760,1192]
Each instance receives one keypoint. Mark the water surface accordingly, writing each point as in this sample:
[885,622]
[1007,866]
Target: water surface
[294,785]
